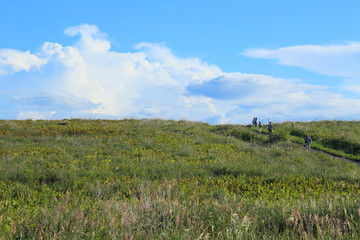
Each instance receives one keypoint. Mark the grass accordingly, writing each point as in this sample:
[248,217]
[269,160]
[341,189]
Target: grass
[339,138]
[157,179]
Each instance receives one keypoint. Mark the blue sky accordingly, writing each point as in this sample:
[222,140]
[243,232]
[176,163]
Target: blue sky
[214,61]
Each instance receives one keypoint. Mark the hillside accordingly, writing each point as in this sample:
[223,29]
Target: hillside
[157,179]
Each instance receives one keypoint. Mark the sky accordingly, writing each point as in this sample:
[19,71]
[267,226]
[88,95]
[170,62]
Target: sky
[220,62]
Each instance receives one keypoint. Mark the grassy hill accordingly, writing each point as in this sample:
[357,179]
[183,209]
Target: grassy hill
[156,179]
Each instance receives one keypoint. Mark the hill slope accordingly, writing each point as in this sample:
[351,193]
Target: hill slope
[151,179]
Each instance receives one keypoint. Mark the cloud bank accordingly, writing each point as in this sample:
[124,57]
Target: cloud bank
[89,80]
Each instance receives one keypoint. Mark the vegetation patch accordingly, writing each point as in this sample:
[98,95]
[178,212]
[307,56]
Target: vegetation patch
[157,179]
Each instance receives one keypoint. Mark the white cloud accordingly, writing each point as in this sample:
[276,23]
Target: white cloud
[87,79]
[249,95]
[185,70]
[91,39]
[68,56]
[351,86]
[334,60]
[24,115]
[355,88]
[121,81]
[12,61]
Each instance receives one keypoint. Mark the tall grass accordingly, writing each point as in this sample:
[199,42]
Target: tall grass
[156,179]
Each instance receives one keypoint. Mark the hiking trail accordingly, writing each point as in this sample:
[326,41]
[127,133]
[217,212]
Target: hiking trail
[320,150]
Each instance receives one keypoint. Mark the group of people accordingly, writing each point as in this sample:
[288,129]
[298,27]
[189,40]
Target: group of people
[260,125]
[255,123]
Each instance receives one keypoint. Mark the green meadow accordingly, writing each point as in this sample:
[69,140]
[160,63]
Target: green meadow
[158,179]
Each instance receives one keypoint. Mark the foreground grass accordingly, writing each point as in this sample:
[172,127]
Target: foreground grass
[153,179]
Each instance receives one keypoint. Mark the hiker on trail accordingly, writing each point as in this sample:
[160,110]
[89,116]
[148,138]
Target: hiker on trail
[260,126]
[270,127]
[308,141]
[254,121]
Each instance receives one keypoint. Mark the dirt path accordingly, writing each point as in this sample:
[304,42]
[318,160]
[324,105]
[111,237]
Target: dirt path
[319,150]
[335,156]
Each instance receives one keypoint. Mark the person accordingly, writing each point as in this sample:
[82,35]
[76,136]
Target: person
[270,127]
[308,141]
[260,126]
[254,121]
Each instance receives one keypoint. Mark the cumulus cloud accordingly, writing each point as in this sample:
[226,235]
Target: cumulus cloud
[91,39]
[12,61]
[88,79]
[185,70]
